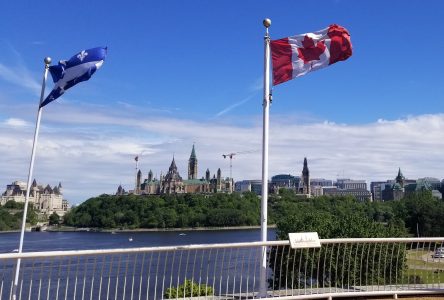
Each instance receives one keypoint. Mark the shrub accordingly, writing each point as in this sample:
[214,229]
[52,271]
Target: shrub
[189,289]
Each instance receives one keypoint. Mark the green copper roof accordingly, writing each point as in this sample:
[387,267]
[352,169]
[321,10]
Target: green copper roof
[193,153]
[423,184]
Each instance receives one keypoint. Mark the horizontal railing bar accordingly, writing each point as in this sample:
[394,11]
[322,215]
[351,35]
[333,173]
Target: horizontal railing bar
[208,246]
[361,294]
[382,240]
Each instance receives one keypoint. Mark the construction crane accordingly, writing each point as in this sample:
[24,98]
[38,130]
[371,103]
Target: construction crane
[136,158]
[231,155]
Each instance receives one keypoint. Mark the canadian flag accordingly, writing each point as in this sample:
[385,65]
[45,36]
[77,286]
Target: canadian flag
[297,55]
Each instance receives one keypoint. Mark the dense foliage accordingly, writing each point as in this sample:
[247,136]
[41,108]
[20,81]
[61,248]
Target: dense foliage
[189,289]
[418,213]
[11,216]
[332,217]
[166,211]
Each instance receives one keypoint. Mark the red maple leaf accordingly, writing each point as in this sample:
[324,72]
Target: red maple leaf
[310,50]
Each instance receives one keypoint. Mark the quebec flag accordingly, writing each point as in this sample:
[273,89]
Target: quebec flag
[78,68]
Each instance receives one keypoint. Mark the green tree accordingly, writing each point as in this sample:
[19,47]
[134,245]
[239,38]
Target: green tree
[54,219]
[333,218]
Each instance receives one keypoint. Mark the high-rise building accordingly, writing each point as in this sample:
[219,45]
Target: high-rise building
[349,184]
[285,181]
[320,182]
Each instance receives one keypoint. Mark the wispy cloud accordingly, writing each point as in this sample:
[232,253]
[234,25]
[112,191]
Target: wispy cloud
[91,152]
[232,106]
[16,72]
[37,43]
[20,76]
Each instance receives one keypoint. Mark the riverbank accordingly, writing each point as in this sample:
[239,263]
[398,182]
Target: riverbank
[116,230]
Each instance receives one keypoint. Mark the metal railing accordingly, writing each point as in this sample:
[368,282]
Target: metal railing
[341,267]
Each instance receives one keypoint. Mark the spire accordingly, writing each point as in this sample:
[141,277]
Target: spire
[193,153]
[400,178]
[192,165]
[34,183]
[306,179]
[173,164]
[305,168]
[207,175]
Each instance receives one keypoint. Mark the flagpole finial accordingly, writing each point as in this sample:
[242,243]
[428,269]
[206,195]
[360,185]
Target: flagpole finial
[47,60]
[267,22]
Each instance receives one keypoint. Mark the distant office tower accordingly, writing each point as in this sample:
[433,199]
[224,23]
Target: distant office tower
[377,188]
[359,194]
[320,182]
[285,181]
[349,184]
[254,186]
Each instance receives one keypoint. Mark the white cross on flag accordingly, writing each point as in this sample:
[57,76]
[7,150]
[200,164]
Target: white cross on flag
[297,55]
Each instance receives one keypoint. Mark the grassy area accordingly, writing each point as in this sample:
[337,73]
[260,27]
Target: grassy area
[426,276]
[424,268]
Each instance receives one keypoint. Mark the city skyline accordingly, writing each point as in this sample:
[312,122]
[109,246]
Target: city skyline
[183,73]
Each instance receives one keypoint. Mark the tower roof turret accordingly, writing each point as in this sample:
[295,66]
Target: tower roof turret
[193,153]
[173,165]
[399,178]
[305,168]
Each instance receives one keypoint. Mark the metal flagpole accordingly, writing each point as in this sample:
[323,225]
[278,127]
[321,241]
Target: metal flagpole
[264,200]
[47,61]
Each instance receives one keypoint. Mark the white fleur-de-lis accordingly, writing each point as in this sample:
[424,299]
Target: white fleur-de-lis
[82,55]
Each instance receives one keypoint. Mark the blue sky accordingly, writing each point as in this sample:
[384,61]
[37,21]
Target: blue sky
[179,72]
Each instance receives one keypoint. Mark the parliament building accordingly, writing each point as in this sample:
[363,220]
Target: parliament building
[173,183]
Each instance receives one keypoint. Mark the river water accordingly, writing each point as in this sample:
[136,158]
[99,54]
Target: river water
[146,275]
[56,241]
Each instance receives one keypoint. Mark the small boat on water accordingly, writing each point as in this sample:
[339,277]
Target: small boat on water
[130,239]
[182,233]
[15,251]
[113,232]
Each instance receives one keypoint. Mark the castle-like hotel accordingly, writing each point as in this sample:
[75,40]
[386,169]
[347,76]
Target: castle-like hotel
[172,182]
[46,200]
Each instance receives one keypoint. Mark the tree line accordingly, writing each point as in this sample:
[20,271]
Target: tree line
[417,214]
[11,214]
[166,211]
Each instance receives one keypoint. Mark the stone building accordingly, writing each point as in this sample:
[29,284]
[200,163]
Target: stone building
[46,200]
[173,183]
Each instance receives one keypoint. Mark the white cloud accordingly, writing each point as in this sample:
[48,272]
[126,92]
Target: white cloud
[92,152]
[14,122]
